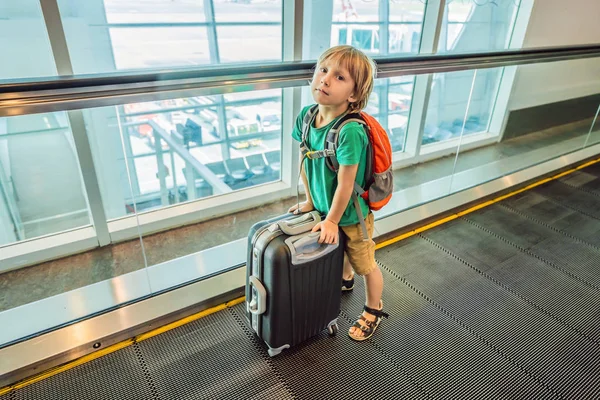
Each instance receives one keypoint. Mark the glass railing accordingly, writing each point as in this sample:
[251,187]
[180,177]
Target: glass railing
[479,127]
[119,186]
[219,163]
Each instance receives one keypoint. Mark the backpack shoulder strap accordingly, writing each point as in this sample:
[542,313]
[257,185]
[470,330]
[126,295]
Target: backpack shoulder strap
[307,121]
[331,141]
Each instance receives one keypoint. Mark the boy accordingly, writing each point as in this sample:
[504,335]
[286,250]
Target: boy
[342,83]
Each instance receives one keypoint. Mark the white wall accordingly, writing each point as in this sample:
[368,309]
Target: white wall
[559,23]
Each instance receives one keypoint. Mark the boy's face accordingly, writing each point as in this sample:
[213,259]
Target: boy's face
[332,85]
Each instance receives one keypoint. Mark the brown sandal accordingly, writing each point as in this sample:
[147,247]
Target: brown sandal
[368,327]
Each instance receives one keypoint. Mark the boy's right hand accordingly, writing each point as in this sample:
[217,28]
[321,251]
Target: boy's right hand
[304,207]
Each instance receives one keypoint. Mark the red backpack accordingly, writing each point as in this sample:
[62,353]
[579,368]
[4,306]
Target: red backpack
[379,187]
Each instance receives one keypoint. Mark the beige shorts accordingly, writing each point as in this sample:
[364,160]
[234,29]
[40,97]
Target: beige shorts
[360,252]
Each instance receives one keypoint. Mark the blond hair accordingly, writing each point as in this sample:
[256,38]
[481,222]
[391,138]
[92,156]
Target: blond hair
[361,67]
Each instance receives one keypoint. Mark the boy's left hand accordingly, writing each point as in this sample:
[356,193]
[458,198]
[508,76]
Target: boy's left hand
[329,231]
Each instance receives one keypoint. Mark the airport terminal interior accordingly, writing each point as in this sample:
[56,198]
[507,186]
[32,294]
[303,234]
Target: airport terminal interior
[141,140]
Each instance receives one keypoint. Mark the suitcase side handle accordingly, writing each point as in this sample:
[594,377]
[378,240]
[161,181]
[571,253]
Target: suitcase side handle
[306,248]
[301,224]
[258,304]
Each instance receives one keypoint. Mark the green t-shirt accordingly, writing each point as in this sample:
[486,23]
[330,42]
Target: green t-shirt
[351,150]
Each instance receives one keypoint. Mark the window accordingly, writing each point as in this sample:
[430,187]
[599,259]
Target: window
[468,26]
[448,103]
[24,43]
[41,190]
[132,34]
[181,150]
[402,24]
[471,26]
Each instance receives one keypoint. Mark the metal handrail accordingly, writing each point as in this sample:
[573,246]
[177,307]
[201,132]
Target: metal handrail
[27,96]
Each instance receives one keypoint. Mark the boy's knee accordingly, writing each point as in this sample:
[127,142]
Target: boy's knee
[364,269]
[362,258]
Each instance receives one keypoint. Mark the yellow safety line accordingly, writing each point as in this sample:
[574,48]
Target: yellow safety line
[72,364]
[186,320]
[117,346]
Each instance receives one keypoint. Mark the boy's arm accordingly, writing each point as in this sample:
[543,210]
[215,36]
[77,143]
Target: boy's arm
[341,198]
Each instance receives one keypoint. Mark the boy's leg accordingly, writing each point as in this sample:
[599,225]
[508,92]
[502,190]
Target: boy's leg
[361,255]
[374,288]
[348,272]
[348,275]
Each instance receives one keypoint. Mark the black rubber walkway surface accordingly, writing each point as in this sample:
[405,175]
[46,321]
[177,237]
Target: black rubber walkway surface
[501,303]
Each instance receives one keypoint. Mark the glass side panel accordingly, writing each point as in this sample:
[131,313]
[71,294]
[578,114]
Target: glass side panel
[448,102]
[540,123]
[393,114]
[185,149]
[150,158]
[594,134]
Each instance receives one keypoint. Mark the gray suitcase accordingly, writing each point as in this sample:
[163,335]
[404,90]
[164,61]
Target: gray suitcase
[293,283]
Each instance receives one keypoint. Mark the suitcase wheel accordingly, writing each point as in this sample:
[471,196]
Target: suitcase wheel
[332,329]
[274,352]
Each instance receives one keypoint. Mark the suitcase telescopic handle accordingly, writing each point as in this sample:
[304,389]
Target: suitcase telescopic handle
[258,304]
[301,224]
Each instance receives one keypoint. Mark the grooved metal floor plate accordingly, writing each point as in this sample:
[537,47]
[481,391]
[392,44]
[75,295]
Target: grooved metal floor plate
[567,195]
[500,303]
[208,358]
[577,258]
[567,299]
[531,340]
[444,357]
[117,376]
[583,181]
[333,368]
[593,169]
[557,216]
[472,244]
[512,228]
